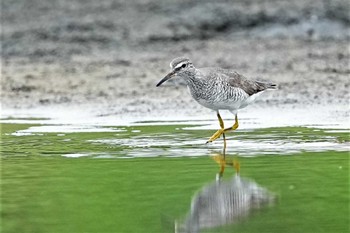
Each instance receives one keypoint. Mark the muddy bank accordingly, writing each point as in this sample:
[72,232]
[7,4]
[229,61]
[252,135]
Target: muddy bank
[111,54]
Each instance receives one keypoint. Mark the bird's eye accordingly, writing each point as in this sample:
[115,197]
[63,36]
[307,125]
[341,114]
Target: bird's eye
[183,65]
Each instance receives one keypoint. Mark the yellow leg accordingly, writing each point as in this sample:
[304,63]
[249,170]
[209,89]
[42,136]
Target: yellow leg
[224,150]
[235,162]
[236,165]
[220,159]
[234,127]
[223,164]
[218,133]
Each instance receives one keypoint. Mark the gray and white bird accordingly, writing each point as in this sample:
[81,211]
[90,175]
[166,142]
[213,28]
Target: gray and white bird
[225,202]
[217,89]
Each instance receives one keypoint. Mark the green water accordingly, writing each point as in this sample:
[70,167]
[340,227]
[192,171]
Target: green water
[142,178]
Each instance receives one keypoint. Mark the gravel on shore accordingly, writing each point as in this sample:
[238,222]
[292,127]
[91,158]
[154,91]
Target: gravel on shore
[111,54]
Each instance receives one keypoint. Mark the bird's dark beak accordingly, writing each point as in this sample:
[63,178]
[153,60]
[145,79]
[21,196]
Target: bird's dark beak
[167,77]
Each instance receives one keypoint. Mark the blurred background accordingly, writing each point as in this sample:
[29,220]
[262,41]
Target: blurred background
[112,53]
[89,144]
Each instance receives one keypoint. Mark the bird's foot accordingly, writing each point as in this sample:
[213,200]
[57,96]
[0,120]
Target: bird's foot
[220,159]
[216,135]
[223,162]
[236,165]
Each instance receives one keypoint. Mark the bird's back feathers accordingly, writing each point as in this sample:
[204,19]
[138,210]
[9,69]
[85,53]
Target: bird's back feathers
[237,80]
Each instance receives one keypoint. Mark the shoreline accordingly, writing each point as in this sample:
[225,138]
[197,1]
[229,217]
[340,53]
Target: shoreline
[252,117]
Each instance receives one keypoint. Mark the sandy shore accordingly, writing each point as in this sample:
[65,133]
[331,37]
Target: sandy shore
[107,57]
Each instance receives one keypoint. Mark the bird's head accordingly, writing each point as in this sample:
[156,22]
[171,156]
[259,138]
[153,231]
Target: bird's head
[180,66]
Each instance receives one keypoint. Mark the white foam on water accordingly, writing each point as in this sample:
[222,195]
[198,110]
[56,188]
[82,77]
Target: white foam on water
[65,129]
[21,133]
[316,116]
[75,155]
[149,147]
[335,119]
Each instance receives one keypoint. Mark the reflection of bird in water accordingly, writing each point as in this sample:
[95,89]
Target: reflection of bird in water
[217,89]
[224,202]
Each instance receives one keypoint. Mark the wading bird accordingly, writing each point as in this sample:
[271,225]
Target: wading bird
[217,89]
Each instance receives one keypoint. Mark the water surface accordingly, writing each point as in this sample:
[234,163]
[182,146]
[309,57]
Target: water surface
[142,178]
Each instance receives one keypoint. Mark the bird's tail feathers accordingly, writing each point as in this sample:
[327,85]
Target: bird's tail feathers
[265,85]
[271,86]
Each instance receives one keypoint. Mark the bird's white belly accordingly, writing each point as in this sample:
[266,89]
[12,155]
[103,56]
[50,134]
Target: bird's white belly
[250,99]
[229,105]
[232,105]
